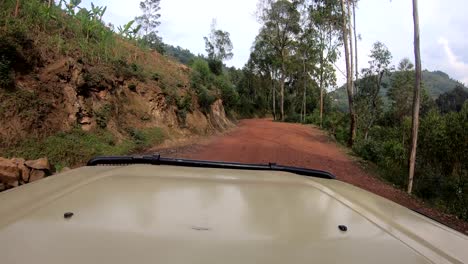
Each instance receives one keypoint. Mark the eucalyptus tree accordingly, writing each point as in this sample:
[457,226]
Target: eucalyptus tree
[219,47]
[280,25]
[354,2]
[306,50]
[367,99]
[324,17]
[416,97]
[149,20]
[349,76]
[263,56]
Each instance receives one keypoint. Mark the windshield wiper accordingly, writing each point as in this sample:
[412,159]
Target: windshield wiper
[158,160]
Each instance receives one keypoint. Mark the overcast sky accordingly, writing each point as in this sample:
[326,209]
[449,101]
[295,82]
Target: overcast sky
[443,28]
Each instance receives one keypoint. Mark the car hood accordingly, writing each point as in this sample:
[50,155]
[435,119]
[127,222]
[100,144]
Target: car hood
[167,214]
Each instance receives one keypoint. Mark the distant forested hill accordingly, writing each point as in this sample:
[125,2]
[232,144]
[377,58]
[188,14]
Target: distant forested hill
[182,55]
[435,83]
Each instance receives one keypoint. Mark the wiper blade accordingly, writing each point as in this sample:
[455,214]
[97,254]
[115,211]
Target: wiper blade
[158,160]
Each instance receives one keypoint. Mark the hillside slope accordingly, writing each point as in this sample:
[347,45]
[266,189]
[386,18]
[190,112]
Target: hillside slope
[70,91]
[435,83]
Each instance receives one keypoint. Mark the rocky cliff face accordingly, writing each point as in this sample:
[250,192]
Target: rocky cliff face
[67,94]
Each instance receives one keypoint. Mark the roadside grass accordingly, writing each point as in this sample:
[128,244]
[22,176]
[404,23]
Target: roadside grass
[75,147]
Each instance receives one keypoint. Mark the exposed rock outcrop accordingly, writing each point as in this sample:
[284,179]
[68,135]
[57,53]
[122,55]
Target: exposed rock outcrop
[17,171]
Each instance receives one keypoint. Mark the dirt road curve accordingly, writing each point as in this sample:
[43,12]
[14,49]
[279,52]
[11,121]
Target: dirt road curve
[263,141]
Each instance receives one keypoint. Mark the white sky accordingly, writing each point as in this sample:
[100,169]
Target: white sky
[443,28]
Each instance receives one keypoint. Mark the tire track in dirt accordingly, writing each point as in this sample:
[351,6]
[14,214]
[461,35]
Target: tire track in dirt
[263,141]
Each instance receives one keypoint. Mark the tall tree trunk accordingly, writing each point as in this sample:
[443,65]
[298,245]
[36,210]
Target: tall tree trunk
[351,51]
[321,87]
[274,96]
[50,3]
[349,77]
[283,78]
[17,8]
[304,100]
[355,44]
[416,98]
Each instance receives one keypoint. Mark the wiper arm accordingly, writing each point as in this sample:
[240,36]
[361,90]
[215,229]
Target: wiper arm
[158,160]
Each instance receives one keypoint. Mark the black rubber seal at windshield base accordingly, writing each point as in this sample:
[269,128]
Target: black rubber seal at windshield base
[158,160]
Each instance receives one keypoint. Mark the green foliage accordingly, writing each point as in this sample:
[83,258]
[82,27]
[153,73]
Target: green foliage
[128,71]
[6,74]
[293,118]
[71,148]
[129,32]
[75,147]
[24,104]
[184,106]
[156,76]
[453,100]
[218,46]
[149,20]
[203,81]
[144,138]
[216,66]
[182,55]
[205,98]
[201,73]
[229,94]
[132,87]
[434,83]
[103,115]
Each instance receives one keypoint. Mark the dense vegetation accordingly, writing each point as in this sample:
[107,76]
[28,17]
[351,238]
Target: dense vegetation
[434,82]
[290,70]
[288,75]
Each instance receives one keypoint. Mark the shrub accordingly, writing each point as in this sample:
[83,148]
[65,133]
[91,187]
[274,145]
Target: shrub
[155,76]
[229,94]
[201,71]
[25,104]
[103,115]
[205,98]
[123,69]
[132,87]
[293,118]
[71,148]
[368,149]
[143,138]
[313,118]
[216,66]
[6,74]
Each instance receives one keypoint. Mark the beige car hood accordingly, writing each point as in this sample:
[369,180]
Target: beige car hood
[166,214]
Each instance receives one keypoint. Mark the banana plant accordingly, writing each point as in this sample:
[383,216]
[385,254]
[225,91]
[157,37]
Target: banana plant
[97,12]
[72,5]
[127,31]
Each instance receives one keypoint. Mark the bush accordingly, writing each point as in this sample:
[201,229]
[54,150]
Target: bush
[25,104]
[368,149]
[229,94]
[216,66]
[126,71]
[205,98]
[132,87]
[6,74]
[103,115]
[293,118]
[147,137]
[156,76]
[184,105]
[71,148]
[313,118]
[201,74]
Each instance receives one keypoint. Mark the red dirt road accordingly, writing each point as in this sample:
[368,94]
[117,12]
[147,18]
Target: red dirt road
[263,141]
